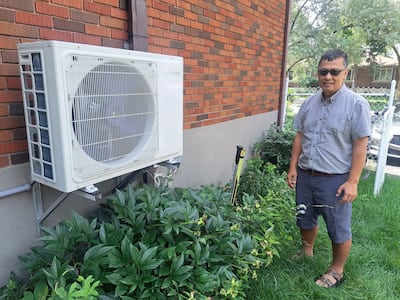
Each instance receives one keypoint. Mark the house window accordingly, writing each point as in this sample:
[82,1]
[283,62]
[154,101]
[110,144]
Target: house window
[383,74]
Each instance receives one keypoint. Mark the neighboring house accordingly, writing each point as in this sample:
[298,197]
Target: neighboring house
[234,60]
[377,75]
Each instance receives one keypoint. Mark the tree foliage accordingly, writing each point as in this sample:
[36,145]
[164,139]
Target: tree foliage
[318,25]
[359,27]
[377,22]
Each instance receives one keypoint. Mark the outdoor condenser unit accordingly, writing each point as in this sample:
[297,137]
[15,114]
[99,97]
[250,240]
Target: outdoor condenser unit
[93,113]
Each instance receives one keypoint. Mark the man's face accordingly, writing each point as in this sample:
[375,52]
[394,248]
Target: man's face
[331,83]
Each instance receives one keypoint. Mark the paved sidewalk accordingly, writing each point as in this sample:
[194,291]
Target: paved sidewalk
[392,170]
[389,169]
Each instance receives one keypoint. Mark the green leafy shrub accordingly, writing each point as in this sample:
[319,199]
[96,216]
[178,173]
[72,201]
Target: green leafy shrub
[150,243]
[309,81]
[275,200]
[14,288]
[276,147]
[81,289]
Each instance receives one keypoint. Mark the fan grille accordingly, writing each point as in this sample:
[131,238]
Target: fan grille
[113,108]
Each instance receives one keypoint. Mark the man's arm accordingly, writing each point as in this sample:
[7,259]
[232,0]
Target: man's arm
[349,188]
[296,151]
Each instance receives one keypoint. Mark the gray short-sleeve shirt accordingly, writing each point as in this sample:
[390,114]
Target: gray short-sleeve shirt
[329,127]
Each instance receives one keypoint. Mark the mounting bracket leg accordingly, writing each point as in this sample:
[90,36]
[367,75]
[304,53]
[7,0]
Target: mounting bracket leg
[41,215]
[90,192]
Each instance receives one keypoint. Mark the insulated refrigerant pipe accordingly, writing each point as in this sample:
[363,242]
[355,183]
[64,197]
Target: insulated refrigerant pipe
[15,190]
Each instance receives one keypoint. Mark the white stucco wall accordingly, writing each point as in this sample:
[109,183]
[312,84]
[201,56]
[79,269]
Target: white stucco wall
[17,220]
[209,152]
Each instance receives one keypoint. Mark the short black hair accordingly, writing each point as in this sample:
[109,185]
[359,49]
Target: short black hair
[333,54]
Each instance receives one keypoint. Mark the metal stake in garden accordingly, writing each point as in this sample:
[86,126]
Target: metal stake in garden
[239,158]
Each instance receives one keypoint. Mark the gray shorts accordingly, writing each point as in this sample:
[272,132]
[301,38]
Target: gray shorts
[316,195]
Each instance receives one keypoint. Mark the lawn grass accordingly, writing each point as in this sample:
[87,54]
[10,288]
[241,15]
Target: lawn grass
[373,268]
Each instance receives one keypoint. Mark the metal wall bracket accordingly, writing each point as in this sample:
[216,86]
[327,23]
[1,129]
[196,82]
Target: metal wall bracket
[90,193]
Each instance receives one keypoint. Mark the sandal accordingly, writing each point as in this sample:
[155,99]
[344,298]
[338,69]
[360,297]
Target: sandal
[326,281]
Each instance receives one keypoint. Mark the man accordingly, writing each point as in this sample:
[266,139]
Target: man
[328,156]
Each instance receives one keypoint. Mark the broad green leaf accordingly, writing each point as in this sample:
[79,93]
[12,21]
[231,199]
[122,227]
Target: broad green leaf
[41,291]
[102,234]
[151,264]
[114,278]
[120,290]
[135,255]
[96,253]
[177,263]
[129,280]
[121,197]
[126,249]
[164,270]
[184,270]
[149,253]
[115,259]
[28,296]
[166,283]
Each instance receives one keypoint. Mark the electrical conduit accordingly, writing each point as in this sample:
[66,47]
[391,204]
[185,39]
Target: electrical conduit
[15,190]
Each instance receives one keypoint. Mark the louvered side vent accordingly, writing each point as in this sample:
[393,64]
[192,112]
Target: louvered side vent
[35,103]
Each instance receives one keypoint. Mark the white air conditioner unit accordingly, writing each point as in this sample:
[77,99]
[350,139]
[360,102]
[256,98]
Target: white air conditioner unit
[93,113]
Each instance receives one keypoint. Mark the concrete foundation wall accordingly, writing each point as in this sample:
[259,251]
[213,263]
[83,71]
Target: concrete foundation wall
[17,220]
[209,154]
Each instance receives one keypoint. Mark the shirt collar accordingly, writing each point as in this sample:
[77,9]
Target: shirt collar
[334,98]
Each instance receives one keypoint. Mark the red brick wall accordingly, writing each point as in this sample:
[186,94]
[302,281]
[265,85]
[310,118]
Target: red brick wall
[97,22]
[233,52]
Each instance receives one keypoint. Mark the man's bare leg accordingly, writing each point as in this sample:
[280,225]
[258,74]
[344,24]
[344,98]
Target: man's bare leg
[340,253]
[308,239]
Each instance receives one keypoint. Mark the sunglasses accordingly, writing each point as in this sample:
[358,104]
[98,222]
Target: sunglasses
[333,72]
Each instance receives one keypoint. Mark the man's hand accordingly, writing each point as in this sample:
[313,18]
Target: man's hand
[349,192]
[291,178]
